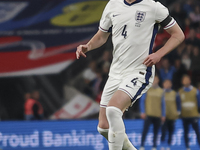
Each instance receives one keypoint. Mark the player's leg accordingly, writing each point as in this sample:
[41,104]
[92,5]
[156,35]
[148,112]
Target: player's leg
[131,88]
[147,123]
[156,127]
[195,126]
[103,126]
[114,111]
[108,91]
[110,88]
[186,131]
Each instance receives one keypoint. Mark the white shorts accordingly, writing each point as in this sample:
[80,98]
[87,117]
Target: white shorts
[133,85]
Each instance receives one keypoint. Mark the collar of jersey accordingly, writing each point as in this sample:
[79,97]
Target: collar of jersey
[137,1]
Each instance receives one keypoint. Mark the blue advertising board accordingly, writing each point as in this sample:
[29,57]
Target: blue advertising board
[76,135]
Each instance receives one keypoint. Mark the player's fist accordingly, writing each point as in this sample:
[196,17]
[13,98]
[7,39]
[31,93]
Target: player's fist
[152,59]
[81,50]
[143,115]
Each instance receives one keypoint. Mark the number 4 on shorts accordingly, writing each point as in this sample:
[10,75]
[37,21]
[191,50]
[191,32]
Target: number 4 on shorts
[134,81]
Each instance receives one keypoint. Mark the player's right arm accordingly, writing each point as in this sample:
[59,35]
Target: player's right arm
[101,36]
[97,41]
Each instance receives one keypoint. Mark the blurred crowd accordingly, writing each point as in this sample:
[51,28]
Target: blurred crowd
[184,60]
[177,76]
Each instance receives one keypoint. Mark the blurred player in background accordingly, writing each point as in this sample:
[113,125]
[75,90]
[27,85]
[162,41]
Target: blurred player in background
[134,24]
[190,103]
[172,103]
[32,108]
[152,107]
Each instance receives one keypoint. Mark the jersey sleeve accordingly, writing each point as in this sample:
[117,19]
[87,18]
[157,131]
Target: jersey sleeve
[162,16]
[105,22]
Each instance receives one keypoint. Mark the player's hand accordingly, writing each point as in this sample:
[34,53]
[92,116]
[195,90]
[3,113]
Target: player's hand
[163,119]
[152,59]
[143,115]
[81,50]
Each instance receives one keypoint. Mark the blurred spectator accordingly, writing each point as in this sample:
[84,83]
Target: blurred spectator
[195,65]
[96,83]
[188,50]
[190,102]
[192,38]
[172,103]
[195,15]
[90,76]
[106,58]
[180,49]
[180,71]
[178,14]
[105,71]
[188,6]
[166,71]
[187,27]
[32,106]
[198,32]
[152,107]
[198,86]
[186,61]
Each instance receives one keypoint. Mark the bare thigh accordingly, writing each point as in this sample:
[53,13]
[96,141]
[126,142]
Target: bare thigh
[120,100]
[103,122]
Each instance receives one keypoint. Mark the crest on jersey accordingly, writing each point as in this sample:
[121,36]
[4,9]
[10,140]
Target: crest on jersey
[139,17]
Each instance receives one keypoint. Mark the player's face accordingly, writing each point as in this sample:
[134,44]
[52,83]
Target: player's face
[186,81]
[167,84]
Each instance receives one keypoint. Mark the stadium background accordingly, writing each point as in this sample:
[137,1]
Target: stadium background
[38,39]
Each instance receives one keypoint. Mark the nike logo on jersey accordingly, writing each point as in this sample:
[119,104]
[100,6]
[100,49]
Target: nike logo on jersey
[116,15]
[129,86]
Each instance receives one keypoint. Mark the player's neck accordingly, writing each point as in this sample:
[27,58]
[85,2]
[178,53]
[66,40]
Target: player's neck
[130,1]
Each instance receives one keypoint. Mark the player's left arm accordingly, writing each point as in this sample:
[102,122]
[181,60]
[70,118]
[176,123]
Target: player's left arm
[163,17]
[177,37]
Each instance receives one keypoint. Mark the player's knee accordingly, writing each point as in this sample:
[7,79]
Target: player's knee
[113,114]
[112,111]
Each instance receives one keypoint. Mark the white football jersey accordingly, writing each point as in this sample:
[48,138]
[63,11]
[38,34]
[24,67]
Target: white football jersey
[134,27]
